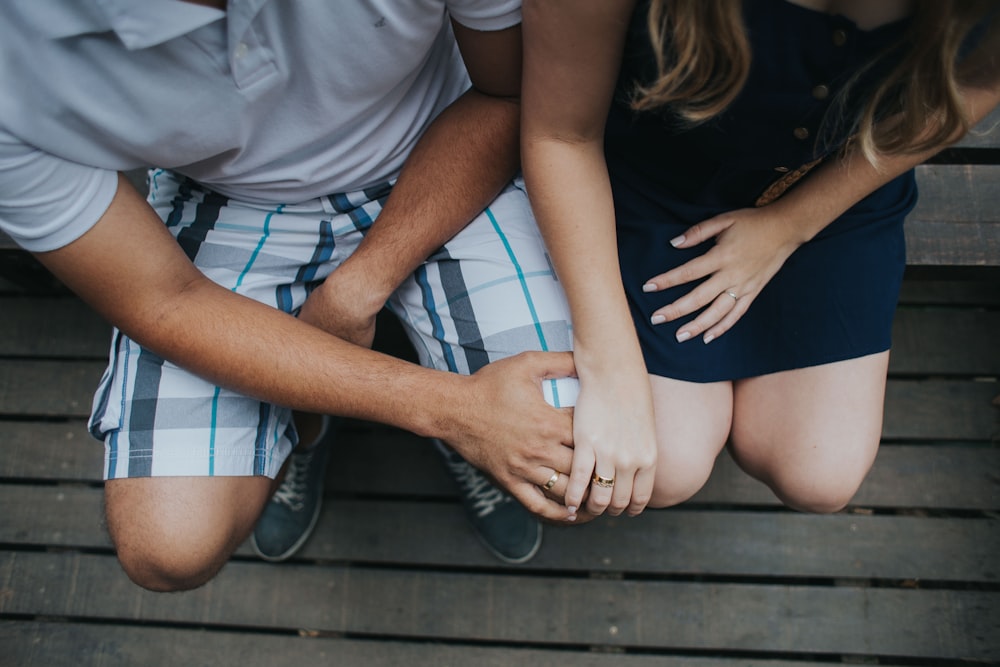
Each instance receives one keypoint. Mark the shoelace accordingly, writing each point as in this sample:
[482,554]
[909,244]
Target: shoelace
[292,491]
[484,495]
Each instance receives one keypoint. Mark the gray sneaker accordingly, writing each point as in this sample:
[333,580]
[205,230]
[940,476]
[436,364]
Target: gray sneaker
[290,515]
[508,530]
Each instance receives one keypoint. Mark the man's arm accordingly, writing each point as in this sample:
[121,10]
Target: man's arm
[457,168]
[129,269]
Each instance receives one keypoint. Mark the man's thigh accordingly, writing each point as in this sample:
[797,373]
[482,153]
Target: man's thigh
[155,418]
[489,293]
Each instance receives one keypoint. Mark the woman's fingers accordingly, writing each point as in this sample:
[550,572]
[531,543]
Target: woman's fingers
[723,312]
[602,484]
[702,231]
[579,482]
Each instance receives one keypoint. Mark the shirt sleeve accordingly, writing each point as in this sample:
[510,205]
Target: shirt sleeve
[47,202]
[486,14]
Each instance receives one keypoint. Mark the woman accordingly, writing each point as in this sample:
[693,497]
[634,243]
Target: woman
[752,164]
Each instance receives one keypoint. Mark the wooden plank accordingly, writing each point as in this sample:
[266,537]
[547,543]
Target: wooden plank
[774,544]
[8,287]
[980,293]
[48,388]
[553,611]
[50,451]
[50,644]
[951,244]
[904,476]
[955,221]
[57,327]
[945,341]
[958,193]
[941,410]
[25,272]
[944,476]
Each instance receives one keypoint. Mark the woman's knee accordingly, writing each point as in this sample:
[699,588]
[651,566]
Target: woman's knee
[818,495]
[818,479]
[811,434]
[692,423]
[679,477]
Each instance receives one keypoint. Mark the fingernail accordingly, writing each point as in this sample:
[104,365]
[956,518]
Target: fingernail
[709,338]
[676,241]
[683,336]
[571,510]
[657,319]
[571,518]
[649,287]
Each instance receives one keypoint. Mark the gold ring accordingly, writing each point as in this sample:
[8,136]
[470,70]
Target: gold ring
[733,294]
[552,481]
[603,481]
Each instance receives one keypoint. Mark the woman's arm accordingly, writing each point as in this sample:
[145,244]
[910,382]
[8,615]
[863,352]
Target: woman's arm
[572,55]
[752,244]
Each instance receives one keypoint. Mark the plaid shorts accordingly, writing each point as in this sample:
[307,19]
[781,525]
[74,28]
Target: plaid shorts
[488,293]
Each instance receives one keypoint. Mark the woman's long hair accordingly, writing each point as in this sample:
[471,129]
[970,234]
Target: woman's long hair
[703,59]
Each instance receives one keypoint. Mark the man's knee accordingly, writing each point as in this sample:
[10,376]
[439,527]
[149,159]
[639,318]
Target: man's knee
[163,564]
[174,534]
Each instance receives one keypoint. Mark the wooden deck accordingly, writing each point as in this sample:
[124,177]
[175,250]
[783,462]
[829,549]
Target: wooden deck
[908,575]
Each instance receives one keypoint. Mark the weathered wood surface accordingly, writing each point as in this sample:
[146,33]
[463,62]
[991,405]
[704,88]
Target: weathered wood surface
[517,608]
[957,218]
[955,476]
[745,543]
[907,575]
[61,644]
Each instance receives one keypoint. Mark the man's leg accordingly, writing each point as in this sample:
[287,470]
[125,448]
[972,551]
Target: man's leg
[489,293]
[188,466]
[176,533]
[164,429]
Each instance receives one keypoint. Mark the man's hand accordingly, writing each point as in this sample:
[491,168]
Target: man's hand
[345,306]
[511,433]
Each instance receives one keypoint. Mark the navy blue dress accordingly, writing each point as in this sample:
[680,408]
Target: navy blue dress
[835,297]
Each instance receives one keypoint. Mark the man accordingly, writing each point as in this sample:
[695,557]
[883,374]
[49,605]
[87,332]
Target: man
[281,129]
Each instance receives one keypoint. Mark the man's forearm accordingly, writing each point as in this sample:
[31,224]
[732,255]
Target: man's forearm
[133,272]
[459,166]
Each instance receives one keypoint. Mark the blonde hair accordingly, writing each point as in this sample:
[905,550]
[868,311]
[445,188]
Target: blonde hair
[703,59]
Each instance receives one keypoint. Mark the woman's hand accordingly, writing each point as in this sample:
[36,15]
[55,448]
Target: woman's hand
[614,439]
[751,245]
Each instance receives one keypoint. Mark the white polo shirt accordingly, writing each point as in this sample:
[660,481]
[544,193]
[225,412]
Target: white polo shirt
[273,101]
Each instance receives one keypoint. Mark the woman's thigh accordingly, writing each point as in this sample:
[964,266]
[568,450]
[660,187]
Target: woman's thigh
[692,425]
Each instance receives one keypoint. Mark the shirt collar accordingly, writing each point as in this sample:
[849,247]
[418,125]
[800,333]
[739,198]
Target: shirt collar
[137,23]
